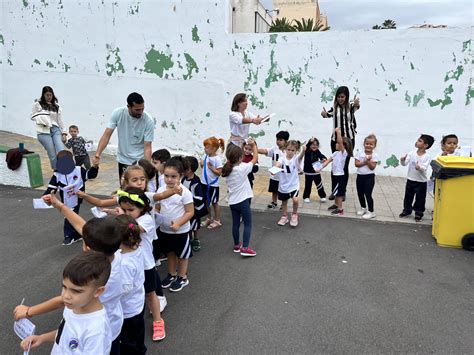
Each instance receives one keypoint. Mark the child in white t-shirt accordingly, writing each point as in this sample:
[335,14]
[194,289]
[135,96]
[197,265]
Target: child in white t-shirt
[275,153]
[84,328]
[289,185]
[134,203]
[240,194]
[132,335]
[366,161]
[338,159]
[418,162]
[173,234]
[211,170]
[449,146]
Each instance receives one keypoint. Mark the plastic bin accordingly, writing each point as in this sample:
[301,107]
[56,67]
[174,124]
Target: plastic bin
[453,218]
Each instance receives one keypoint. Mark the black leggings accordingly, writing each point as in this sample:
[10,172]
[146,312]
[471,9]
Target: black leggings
[346,164]
[308,182]
[365,185]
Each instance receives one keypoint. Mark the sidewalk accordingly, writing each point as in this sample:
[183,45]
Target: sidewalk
[388,191]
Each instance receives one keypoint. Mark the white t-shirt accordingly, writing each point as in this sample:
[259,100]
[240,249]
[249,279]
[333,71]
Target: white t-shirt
[216,163]
[147,222]
[361,156]
[289,179]
[112,294]
[133,271]
[237,128]
[338,161]
[151,186]
[173,208]
[238,184]
[422,160]
[83,334]
[275,153]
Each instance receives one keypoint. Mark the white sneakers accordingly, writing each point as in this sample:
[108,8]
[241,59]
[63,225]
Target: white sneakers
[163,303]
[369,215]
[322,200]
[362,211]
[307,200]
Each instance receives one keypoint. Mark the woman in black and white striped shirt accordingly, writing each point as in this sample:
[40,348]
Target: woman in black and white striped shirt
[343,116]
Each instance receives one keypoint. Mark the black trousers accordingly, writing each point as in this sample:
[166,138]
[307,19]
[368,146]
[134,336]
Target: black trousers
[415,190]
[308,182]
[346,164]
[365,185]
[132,336]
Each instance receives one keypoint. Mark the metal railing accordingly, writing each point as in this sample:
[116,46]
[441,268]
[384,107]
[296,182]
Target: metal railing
[261,25]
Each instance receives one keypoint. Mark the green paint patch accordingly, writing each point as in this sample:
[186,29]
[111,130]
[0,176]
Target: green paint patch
[2,41]
[25,3]
[412,67]
[236,46]
[194,34]
[172,126]
[294,79]
[97,68]
[256,102]
[454,74]
[36,61]
[285,38]
[445,101]
[209,22]
[392,86]
[114,62]
[330,90]
[211,43]
[50,64]
[470,91]
[383,68]
[164,124]
[252,78]
[273,73]
[418,97]
[157,62]
[208,114]
[335,61]
[391,162]
[181,38]
[262,92]
[66,67]
[466,45]
[190,66]
[273,38]
[134,8]
[247,59]
[44,2]
[260,133]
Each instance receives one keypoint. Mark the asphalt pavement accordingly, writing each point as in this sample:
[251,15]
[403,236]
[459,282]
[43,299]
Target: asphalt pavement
[331,285]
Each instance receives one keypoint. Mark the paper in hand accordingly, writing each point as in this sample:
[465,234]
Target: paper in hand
[317,166]
[267,118]
[98,213]
[38,203]
[274,170]
[24,328]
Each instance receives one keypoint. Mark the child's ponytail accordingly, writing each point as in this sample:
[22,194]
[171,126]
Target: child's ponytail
[348,146]
[222,143]
[128,230]
[233,154]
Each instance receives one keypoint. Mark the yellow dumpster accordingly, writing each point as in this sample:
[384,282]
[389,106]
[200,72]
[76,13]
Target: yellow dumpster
[453,217]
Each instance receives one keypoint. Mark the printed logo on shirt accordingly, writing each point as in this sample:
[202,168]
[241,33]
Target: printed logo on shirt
[73,344]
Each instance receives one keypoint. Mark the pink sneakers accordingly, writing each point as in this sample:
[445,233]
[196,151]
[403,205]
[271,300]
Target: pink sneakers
[237,248]
[294,219]
[283,220]
[247,252]
[159,330]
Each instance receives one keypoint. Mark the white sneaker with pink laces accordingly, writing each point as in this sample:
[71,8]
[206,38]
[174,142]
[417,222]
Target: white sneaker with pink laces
[283,220]
[294,219]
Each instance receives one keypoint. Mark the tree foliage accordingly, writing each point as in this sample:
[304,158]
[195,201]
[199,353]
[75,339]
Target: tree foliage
[305,25]
[281,25]
[386,25]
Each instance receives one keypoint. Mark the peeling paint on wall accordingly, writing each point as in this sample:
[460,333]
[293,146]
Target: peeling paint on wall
[157,62]
[273,73]
[114,62]
[194,34]
[445,101]
[2,41]
[190,66]
[329,91]
[391,162]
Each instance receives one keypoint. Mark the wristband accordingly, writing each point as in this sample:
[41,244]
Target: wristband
[27,314]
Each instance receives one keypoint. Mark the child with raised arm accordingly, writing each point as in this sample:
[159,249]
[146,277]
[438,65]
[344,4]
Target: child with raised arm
[289,185]
[338,159]
[366,162]
[84,328]
[417,181]
[173,234]
[313,155]
[78,146]
[211,170]
[275,153]
[193,183]
[240,194]
[69,179]
[99,235]
[247,158]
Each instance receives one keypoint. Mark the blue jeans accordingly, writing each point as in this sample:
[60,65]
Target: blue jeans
[53,143]
[238,210]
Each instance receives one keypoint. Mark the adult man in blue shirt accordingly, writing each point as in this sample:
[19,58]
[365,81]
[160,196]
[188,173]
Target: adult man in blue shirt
[135,129]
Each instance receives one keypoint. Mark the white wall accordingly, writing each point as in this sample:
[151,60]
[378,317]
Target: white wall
[80,49]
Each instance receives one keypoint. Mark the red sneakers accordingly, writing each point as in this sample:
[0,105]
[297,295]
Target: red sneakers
[247,252]
[237,248]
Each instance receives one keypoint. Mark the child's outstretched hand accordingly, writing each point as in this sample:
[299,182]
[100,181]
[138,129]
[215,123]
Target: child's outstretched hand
[80,193]
[95,161]
[20,312]
[54,200]
[356,101]
[35,341]
[46,199]
[113,211]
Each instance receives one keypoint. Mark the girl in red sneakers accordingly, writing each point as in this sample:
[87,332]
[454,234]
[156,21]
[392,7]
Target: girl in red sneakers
[289,186]
[338,159]
[240,193]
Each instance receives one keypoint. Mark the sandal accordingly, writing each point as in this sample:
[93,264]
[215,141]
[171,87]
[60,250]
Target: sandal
[207,222]
[215,224]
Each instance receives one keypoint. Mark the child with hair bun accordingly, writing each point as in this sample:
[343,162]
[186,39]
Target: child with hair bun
[211,170]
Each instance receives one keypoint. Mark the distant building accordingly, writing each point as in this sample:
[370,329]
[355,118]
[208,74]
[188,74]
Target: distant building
[428,25]
[298,9]
[248,16]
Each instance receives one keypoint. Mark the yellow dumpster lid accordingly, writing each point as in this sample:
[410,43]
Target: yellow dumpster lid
[456,162]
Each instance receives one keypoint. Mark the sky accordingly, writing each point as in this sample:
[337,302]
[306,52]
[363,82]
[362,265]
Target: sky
[363,14]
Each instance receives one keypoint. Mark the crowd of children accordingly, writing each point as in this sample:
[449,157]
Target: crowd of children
[156,213]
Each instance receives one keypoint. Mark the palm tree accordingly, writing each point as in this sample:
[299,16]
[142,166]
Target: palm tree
[389,24]
[308,25]
[376,27]
[281,25]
